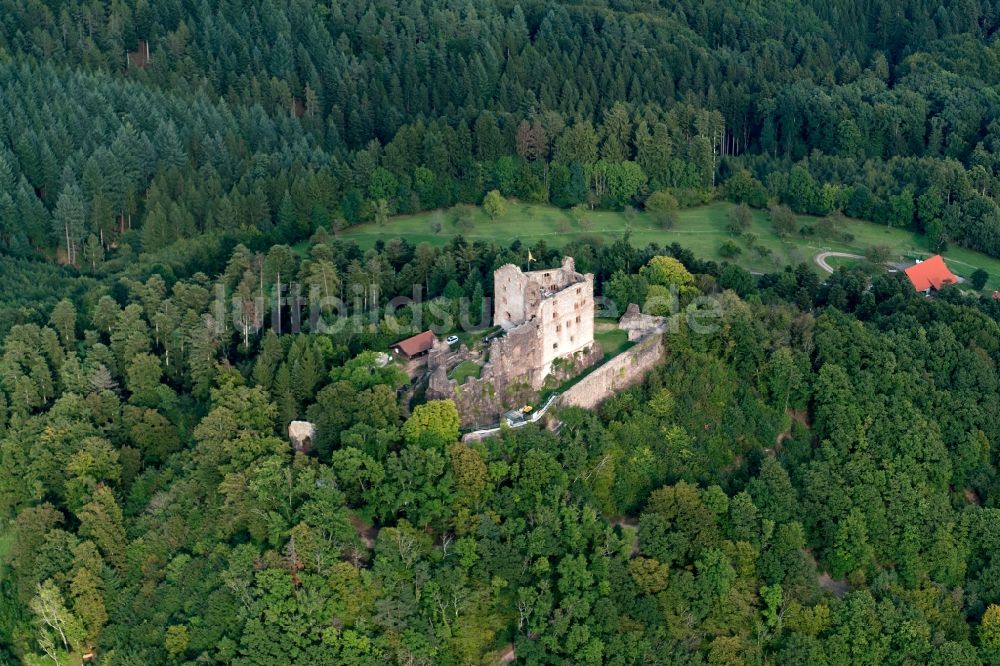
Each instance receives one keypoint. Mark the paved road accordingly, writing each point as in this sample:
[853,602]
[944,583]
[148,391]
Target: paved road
[477,435]
[821,258]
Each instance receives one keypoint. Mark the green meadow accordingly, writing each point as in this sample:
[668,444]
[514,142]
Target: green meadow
[703,230]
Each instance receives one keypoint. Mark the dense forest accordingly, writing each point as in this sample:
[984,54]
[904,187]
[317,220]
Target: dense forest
[815,482]
[130,125]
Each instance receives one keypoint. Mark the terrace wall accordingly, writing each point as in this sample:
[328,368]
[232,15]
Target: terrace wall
[621,372]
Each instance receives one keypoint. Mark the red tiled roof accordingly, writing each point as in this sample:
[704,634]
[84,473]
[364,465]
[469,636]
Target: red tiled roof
[418,344]
[930,273]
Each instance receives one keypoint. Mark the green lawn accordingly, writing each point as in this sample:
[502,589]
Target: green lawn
[701,230]
[837,262]
[464,370]
[612,339]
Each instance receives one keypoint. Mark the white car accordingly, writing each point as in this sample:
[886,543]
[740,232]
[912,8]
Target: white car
[452,340]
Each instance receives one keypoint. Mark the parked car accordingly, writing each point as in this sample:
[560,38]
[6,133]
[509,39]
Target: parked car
[452,339]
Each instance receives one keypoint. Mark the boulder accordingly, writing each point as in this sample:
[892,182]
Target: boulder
[301,434]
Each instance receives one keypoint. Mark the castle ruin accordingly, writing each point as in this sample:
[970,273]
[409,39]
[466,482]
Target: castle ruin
[548,321]
[551,311]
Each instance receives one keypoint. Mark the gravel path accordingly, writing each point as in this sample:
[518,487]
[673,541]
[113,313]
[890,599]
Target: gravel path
[821,258]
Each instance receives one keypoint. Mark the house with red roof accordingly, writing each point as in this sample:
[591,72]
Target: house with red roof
[929,274]
[416,346]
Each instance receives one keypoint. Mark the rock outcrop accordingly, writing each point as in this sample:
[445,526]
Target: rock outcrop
[301,435]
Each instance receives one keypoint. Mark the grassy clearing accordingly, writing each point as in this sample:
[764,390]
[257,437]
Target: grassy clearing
[838,262]
[612,339]
[464,370]
[701,230]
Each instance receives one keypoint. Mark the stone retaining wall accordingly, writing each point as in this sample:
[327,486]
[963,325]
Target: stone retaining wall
[621,372]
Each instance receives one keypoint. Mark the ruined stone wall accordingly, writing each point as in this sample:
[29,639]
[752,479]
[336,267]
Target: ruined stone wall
[548,316]
[555,279]
[519,299]
[566,322]
[509,379]
[517,353]
[510,289]
[567,367]
[623,371]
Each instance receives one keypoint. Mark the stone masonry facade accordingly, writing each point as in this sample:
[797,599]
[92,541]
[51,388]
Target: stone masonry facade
[551,310]
[548,319]
[623,371]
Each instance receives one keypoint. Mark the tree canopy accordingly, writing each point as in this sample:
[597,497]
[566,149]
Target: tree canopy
[812,479]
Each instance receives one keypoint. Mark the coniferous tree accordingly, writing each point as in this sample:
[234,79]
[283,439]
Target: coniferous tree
[69,221]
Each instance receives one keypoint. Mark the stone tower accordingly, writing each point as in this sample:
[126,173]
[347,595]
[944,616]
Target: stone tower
[549,312]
